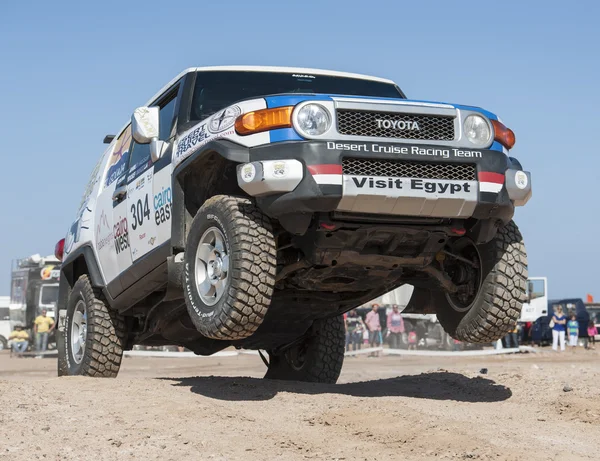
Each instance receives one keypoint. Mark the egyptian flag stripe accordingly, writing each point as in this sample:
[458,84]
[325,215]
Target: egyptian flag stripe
[325,169]
[490,182]
[326,174]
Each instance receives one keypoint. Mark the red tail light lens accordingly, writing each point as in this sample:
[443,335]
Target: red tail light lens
[59,249]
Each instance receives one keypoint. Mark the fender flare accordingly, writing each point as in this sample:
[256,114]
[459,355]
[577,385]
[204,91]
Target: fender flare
[222,147]
[86,253]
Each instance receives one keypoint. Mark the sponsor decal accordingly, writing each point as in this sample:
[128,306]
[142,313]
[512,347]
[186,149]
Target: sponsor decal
[248,172]
[224,119]
[521,179]
[104,234]
[196,139]
[303,76]
[117,164]
[140,211]
[142,236]
[136,171]
[162,206]
[400,125]
[190,141]
[134,252]
[151,241]
[429,187]
[121,235]
[74,233]
[279,169]
[405,150]
[49,272]
[140,183]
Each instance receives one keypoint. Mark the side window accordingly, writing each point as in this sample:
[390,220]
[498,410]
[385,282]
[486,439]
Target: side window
[117,163]
[166,116]
[140,160]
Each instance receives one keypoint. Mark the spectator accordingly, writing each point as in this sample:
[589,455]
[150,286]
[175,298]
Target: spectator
[512,338]
[43,326]
[374,326]
[354,324]
[395,327]
[412,340]
[592,332]
[19,340]
[558,329]
[573,329]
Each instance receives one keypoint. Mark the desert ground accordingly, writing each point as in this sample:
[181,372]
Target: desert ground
[541,406]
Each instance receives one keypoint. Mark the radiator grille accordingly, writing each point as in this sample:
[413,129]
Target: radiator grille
[395,125]
[404,169]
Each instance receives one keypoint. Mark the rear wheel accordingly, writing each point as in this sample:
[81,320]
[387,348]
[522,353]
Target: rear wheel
[93,338]
[3,343]
[318,358]
[493,278]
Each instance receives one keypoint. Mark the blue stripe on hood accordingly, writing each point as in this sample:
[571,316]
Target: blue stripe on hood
[293,99]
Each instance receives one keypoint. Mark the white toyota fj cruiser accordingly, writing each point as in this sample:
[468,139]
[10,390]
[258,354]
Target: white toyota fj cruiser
[253,206]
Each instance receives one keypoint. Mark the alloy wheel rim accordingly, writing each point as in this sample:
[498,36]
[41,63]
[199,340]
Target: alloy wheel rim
[79,331]
[212,266]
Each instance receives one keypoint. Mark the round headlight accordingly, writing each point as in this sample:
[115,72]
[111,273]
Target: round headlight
[313,120]
[477,130]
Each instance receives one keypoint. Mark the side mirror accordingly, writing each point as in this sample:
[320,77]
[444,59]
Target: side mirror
[144,124]
[145,130]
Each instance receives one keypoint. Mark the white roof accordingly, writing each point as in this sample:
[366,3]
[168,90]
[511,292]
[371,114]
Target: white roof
[292,70]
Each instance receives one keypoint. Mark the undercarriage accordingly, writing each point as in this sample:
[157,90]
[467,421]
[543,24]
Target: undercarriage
[337,265]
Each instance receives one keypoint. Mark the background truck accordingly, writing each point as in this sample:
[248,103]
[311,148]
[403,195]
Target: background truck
[34,287]
[4,322]
[533,310]
[542,333]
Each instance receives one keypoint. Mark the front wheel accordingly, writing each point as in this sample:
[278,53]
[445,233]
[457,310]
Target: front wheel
[495,278]
[318,359]
[230,263]
[94,336]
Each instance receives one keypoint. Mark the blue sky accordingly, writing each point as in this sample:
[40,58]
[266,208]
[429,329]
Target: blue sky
[72,72]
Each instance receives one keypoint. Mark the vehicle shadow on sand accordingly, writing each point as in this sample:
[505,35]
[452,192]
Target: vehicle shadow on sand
[433,386]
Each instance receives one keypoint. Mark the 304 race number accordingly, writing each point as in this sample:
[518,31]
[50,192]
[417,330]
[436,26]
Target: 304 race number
[139,212]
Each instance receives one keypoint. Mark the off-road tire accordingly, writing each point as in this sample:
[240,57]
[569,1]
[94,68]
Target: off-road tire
[498,304]
[105,339]
[3,344]
[323,359]
[252,265]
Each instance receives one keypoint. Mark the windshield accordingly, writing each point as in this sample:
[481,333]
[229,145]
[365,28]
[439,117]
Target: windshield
[49,295]
[219,89]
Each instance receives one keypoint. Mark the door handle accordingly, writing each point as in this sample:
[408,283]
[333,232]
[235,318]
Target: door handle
[119,194]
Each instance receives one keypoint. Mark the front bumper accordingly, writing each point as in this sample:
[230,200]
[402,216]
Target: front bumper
[308,177]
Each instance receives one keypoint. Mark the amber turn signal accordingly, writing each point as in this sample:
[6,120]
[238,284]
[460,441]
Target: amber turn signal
[264,120]
[503,135]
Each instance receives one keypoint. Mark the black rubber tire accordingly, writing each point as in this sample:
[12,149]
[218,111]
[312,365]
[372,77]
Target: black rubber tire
[106,333]
[252,262]
[3,344]
[323,358]
[497,306]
